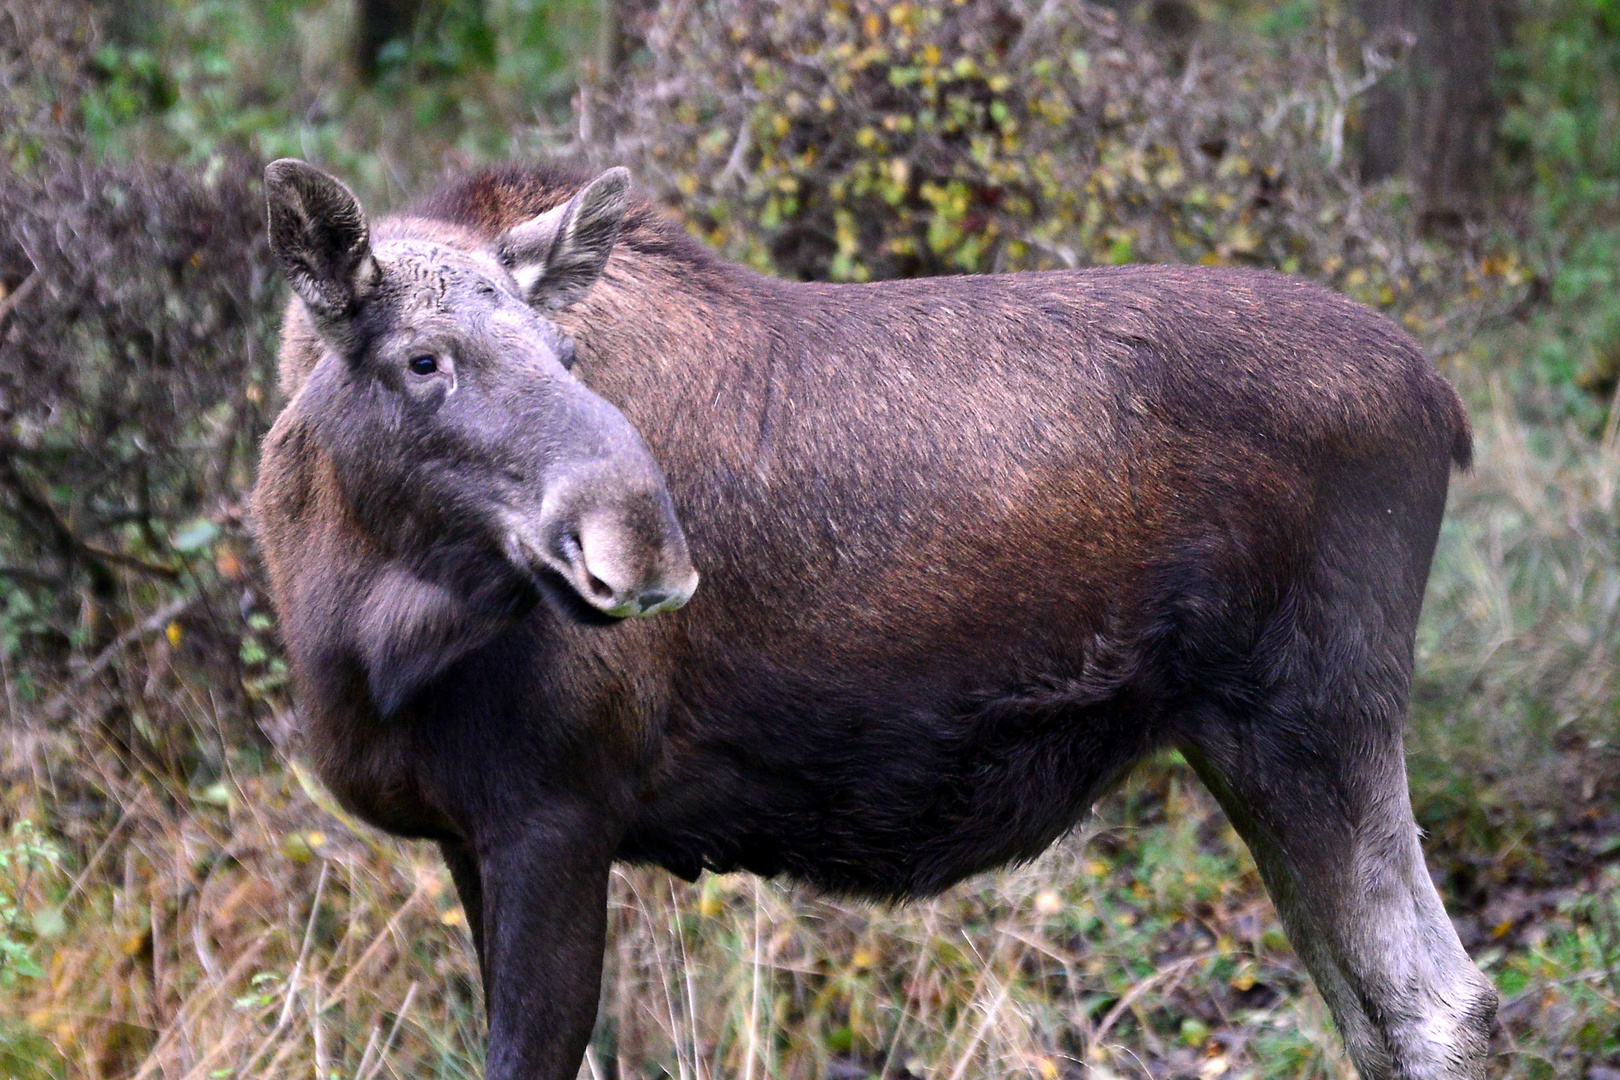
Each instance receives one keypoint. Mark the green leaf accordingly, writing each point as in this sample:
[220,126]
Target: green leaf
[48,922]
[215,794]
[196,536]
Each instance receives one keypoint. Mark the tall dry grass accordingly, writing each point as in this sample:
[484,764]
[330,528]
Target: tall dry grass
[1515,729]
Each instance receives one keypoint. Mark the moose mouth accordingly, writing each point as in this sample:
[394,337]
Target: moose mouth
[569,557]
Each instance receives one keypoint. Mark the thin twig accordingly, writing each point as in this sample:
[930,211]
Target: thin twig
[387,1044]
[56,709]
[95,860]
[17,296]
[387,932]
[1177,969]
[978,1036]
[753,1000]
[292,981]
[194,1005]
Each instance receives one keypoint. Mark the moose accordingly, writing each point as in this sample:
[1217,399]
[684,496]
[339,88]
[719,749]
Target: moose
[969,548]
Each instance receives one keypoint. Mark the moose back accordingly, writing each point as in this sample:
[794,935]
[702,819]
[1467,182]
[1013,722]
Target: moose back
[969,548]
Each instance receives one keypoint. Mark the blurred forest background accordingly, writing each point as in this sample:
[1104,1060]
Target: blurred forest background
[179,900]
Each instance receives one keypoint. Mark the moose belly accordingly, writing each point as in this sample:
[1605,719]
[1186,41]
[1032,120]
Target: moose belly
[889,798]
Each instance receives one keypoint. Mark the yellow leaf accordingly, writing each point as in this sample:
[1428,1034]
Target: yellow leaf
[173,633]
[454,917]
[1047,1068]
[296,848]
[1241,239]
[710,900]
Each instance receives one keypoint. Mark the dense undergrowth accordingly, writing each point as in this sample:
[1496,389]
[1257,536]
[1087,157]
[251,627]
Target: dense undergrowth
[177,900]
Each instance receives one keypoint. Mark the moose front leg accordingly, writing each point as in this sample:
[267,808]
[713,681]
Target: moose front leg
[536,897]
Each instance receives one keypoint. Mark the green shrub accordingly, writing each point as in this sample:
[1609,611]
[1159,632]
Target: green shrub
[1561,139]
[27,863]
[869,140]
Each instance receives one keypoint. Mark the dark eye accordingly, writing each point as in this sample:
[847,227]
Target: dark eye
[566,353]
[423,365]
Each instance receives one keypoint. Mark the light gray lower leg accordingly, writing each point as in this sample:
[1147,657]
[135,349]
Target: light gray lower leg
[1341,859]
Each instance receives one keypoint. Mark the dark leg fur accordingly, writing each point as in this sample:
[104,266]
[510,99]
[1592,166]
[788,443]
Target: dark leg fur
[542,901]
[1313,776]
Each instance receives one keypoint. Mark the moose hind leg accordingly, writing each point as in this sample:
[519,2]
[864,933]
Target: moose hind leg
[1321,799]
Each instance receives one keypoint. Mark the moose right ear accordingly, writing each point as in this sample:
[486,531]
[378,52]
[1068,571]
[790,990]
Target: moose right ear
[320,237]
[556,257]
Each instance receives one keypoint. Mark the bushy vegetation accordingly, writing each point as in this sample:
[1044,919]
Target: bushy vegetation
[176,897]
[1561,137]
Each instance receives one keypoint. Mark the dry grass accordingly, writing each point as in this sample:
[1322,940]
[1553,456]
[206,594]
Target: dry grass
[255,935]
[264,938]
[1515,738]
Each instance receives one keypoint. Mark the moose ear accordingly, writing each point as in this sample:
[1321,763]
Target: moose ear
[320,237]
[556,257]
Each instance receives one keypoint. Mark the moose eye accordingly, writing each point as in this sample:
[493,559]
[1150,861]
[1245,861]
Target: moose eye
[423,365]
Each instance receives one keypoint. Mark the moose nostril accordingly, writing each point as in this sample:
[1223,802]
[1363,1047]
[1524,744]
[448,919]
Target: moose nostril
[652,598]
[599,588]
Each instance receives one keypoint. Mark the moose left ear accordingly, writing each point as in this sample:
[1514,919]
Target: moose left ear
[319,235]
[556,257]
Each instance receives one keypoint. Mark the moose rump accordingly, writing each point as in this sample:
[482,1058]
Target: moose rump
[969,547]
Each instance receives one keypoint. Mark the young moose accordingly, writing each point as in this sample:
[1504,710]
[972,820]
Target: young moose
[969,547]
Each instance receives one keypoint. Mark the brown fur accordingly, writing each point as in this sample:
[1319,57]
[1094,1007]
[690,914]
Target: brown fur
[970,547]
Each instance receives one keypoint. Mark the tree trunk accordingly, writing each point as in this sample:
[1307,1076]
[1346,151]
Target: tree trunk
[1433,119]
[379,22]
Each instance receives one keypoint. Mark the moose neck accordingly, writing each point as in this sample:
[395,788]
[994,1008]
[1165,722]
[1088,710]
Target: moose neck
[684,345]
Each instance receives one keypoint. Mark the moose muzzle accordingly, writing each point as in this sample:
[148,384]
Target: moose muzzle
[613,538]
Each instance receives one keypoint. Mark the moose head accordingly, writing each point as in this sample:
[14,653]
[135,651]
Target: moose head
[481,471]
